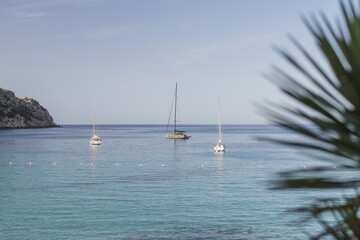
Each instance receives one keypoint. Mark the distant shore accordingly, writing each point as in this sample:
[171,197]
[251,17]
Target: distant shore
[13,128]
[18,113]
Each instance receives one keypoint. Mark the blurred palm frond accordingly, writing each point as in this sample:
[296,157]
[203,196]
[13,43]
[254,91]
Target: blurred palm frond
[331,105]
[327,98]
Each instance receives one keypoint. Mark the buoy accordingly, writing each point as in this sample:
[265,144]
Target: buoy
[10,163]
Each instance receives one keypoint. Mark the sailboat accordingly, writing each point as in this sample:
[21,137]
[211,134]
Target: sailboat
[176,134]
[94,140]
[219,146]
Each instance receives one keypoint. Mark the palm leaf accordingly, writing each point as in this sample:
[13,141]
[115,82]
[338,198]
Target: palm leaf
[332,107]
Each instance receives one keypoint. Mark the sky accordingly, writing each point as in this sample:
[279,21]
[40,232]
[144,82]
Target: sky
[128,55]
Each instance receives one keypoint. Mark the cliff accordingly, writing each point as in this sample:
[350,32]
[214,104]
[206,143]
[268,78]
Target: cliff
[22,113]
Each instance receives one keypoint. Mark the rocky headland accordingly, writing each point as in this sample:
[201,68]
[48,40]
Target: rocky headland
[22,113]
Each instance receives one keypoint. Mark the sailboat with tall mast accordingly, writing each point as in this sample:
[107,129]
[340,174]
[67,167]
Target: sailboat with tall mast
[219,146]
[176,134]
[95,139]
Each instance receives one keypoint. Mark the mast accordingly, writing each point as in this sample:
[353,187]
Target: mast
[93,116]
[219,120]
[175,108]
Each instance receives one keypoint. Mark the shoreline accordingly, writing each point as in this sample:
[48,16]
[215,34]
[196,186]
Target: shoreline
[14,128]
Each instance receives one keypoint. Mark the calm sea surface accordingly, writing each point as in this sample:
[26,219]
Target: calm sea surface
[138,185]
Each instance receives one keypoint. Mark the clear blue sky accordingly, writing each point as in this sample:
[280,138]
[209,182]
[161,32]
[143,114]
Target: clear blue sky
[128,55]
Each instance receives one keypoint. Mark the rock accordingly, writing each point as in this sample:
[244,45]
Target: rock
[22,113]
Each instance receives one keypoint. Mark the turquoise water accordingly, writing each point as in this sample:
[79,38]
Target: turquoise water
[138,185]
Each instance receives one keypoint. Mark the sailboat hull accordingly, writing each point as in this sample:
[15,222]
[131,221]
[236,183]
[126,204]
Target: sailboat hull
[219,147]
[177,136]
[95,140]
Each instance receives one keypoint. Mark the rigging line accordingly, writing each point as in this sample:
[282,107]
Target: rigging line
[93,115]
[168,123]
[219,120]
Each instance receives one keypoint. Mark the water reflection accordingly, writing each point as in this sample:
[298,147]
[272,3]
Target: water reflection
[219,156]
[219,167]
[94,151]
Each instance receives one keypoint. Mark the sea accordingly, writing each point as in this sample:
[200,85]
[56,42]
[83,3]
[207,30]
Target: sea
[139,185]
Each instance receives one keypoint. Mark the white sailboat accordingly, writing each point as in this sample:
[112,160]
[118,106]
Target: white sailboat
[219,146]
[176,134]
[95,139]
